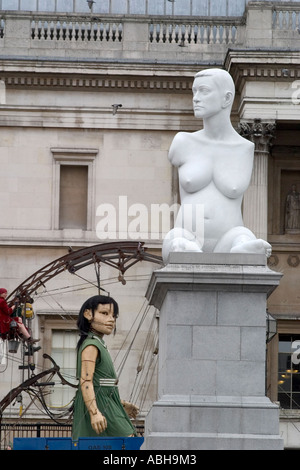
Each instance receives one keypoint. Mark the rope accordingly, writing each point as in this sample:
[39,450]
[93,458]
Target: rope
[122,364]
[149,362]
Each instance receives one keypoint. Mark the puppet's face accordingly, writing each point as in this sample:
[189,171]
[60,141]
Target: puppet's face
[103,321]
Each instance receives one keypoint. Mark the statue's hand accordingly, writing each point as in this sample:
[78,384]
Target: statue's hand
[131,410]
[98,422]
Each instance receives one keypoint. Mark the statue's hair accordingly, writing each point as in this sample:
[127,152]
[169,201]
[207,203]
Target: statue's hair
[221,77]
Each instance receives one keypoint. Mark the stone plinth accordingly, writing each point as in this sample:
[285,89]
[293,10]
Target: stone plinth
[212,348]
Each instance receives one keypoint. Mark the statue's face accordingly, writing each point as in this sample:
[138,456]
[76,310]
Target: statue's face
[103,321]
[208,98]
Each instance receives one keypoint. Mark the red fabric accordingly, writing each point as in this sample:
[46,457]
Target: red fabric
[5,319]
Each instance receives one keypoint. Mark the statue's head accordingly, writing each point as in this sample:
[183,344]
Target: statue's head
[213,91]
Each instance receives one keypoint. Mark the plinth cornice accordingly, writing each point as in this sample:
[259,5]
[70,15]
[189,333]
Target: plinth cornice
[245,273]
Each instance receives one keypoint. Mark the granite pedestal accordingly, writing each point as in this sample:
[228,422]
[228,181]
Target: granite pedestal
[212,351]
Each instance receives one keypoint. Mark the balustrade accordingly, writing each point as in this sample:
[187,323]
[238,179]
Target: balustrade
[76,31]
[205,32]
[286,18]
[154,35]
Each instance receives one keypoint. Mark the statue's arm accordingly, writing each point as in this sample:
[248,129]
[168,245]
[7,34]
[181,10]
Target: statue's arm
[177,150]
[88,362]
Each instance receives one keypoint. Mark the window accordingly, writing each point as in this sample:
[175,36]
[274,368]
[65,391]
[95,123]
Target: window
[63,351]
[73,188]
[289,371]
[73,196]
[3,355]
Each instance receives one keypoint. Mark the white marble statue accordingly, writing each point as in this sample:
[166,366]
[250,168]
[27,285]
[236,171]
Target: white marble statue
[214,168]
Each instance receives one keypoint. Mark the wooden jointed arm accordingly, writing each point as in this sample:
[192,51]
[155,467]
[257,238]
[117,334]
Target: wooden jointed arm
[88,361]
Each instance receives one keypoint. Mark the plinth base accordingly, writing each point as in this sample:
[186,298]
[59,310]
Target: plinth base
[213,423]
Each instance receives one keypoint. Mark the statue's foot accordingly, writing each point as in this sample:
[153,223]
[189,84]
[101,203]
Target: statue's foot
[180,240]
[182,244]
[253,246]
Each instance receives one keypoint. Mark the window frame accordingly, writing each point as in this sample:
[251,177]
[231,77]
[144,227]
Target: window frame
[60,389]
[291,375]
[284,327]
[50,322]
[74,157]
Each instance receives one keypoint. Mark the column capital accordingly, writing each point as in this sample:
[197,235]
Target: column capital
[261,133]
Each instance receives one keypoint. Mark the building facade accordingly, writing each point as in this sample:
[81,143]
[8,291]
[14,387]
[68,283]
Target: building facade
[90,100]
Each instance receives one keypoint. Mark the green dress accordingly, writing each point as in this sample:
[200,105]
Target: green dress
[107,397]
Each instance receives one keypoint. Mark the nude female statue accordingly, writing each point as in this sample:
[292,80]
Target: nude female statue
[214,169]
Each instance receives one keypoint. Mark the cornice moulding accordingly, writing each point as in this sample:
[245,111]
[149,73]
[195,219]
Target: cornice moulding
[90,74]
[52,80]
[87,66]
[265,65]
[95,118]
[95,79]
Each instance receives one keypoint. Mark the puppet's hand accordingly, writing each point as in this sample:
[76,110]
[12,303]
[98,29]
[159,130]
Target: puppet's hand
[130,409]
[98,422]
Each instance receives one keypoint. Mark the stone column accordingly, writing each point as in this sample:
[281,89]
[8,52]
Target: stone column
[212,340]
[255,204]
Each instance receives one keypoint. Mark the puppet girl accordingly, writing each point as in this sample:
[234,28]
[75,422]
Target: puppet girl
[98,410]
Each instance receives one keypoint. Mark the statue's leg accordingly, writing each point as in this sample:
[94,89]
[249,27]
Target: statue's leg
[179,239]
[241,240]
